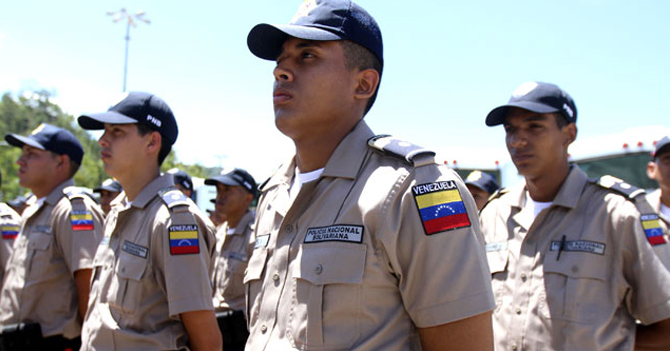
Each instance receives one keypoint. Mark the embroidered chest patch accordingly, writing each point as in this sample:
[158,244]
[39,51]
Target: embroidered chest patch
[652,228]
[440,206]
[579,246]
[261,241]
[81,220]
[134,249]
[344,232]
[184,239]
[10,231]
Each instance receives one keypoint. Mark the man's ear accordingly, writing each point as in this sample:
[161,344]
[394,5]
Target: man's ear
[570,131]
[154,145]
[651,170]
[366,84]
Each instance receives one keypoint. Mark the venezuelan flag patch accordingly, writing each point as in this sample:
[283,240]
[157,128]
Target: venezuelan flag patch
[184,239]
[440,206]
[10,231]
[81,220]
[652,228]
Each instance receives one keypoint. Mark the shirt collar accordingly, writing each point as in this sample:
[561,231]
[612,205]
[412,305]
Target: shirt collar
[57,193]
[150,191]
[568,195]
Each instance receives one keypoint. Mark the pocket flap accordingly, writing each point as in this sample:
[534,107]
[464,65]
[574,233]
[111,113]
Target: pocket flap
[576,264]
[131,267]
[497,256]
[256,265]
[40,241]
[328,264]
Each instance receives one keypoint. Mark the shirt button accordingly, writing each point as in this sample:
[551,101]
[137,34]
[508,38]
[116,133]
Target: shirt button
[523,276]
[514,347]
[264,328]
[288,228]
[318,269]
[275,277]
[518,311]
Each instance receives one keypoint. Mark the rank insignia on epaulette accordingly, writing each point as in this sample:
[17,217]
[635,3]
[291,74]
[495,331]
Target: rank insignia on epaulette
[652,228]
[440,206]
[10,231]
[184,239]
[81,220]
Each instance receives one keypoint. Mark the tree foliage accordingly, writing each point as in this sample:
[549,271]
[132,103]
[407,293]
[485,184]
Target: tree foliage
[23,114]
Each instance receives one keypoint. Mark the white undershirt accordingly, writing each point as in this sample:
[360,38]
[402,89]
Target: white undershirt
[536,206]
[301,178]
[665,210]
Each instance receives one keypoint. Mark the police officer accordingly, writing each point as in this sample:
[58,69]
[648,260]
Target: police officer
[361,242]
[182,181]
[572,266]
[151,289]
[658,169]
[19,203]
[108,190]
[235,191]
[10,225]
[45,291]
[481,185]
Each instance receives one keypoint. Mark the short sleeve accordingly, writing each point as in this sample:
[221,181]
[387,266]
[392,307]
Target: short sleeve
[80,228]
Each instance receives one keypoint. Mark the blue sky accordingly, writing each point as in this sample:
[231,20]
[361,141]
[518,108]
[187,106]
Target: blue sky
[448,64]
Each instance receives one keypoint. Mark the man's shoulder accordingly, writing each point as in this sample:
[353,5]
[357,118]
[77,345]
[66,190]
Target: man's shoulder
[406,152]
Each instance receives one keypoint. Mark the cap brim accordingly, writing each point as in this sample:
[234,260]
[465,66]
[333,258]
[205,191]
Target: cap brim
[223,180]
[97,120]
[498,114]
[19,141]
[266,40]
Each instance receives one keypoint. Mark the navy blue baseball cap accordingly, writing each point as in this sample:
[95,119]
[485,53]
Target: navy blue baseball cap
[662,145]
[182,178]
[47,137]
[319,20]
[136,107]
[483,181]
[109,185]
[537,97]
[237,177]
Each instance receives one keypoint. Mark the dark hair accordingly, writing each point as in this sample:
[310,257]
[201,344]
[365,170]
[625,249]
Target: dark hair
[561,120]
[358,57]
[143,130]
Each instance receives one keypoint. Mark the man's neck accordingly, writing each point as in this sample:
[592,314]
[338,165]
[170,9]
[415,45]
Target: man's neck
[134,183]
[665,197]
[545,188]
[234,219]
[46,189]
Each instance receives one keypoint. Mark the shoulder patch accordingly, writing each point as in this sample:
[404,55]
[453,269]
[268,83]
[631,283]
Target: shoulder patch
[81,220]
[184,239]
[10,231]
[618,185]
[440,206]
[652,229]
[406,151]
[173,197]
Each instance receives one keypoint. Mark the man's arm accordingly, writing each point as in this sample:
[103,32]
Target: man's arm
[203,332]
[82,279]
[653,337]
[472,333]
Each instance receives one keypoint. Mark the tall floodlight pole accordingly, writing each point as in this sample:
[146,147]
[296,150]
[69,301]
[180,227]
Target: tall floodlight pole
[131,20]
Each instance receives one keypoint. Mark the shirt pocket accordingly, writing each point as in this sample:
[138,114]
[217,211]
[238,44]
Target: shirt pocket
[234,275]
[575,287]
[39,245]
[326,296]
[497,261]
[252,281]
[129,272]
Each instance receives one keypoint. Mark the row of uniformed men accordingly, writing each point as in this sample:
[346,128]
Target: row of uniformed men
[364,242]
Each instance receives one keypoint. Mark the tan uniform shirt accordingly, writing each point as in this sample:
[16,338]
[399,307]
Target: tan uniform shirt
[232,256]
[10,226]
[349,265]
[58,237]
[153,264]
[577,276]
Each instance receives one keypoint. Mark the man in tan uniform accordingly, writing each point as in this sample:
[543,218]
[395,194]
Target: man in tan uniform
[108,190]
[235,191]
[481,185]
[571,258]
[10,225]
[361,242]
[658,169]
[151,288]
[45,290]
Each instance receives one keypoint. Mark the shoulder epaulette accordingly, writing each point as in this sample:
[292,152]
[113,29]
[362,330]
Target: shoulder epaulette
[413,154]
[498,193]
[75,192]
[619,186]
[174,197]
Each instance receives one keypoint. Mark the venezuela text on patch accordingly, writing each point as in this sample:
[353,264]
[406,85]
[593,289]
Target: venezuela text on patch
[652,228]
[342,232]
[184,239]
[440,206]
[81,220]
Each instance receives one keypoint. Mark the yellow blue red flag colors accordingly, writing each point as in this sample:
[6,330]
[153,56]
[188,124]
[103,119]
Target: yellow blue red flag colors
[440,206]
[652,228]
[10,231]
[184,239]
[81,220]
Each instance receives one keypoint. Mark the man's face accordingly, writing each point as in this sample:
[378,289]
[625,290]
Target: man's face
[480,195]
[231,200]
[36,166]
[312,87]
[659,170]
[120,146]
[106,198]
[535,142]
